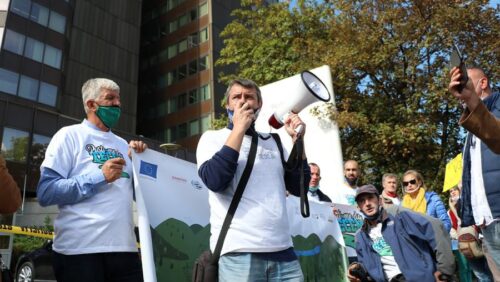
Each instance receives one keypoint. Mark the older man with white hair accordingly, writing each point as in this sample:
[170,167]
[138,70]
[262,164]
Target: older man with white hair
[87,172]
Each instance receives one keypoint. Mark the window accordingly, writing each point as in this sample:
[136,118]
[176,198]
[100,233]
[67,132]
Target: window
[34,49]
[172,26]
[21,7]
[172,50]
[39,14]
[28,88]
[172,105]
[8,81]
[203,35]
[203,9]
[203,63]
[194,127]
[171,4]
[15,145]
[57,22]
[182,72]
[52,57]
[183,45]
[181,101]
[205,123]
[170,78]
[48,94]
[182,130]
[204,92]
[193,14]
[163,55]
[161,109]
[171,134]
[183,20]
[162,82]
[192,40]
[193,96]
[38,147]
[14,42]
[192,67]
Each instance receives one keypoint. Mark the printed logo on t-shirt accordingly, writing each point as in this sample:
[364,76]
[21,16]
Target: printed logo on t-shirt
[101,154]
[351,200]
[381,247]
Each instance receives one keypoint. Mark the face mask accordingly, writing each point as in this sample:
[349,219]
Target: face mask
[109,115]
[455,199]
[230,115]
[373,217]
[313,188]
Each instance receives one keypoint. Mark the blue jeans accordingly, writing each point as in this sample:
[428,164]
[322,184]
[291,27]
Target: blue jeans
[480,269]
[251,268]
[491,240]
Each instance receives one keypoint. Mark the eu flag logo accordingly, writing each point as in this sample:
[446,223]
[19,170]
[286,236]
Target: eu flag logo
[148,169]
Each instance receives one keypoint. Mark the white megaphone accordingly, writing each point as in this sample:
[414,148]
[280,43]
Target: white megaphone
[308,89]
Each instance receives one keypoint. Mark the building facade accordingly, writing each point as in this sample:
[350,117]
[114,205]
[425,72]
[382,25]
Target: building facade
[178,88]
[48,49]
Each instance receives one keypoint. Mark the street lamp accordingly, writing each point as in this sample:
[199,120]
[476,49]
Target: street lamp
[170,147]
[173,147]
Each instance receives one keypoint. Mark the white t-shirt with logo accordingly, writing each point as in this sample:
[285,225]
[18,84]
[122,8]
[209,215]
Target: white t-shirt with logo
[345,195]
[103,222]
[389,264]
[260,223]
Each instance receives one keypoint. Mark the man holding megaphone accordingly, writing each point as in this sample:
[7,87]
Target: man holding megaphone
[258,245]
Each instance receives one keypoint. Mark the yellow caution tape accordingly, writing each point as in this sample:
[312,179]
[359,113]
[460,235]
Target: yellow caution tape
[26,231]
[31,232]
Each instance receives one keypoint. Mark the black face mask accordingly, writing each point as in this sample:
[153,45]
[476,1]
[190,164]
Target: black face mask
[377,216]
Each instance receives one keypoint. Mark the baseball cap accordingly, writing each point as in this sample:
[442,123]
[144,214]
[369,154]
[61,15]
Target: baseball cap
[366,189]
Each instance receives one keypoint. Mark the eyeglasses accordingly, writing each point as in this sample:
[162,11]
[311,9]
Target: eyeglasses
[412,182]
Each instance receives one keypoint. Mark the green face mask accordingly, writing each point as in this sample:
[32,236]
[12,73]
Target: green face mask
[109,115]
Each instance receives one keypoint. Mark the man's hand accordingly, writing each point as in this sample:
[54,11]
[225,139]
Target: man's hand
[243,116]
[468,94]
[137,146]
[349,275]
[112,169]
[291,123]
[436,275]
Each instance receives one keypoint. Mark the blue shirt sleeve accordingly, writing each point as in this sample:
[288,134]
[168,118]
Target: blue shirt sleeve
[53,189]
[218,172]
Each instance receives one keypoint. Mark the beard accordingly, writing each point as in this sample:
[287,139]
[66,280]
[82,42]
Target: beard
[351,182]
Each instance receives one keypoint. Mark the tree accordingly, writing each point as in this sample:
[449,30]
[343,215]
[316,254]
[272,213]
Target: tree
[389,61]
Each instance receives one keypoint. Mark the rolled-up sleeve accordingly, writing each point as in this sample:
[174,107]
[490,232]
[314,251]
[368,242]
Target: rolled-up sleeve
[54,189]
[218,171]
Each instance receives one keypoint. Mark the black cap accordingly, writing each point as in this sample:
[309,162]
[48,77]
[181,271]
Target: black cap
[366,189]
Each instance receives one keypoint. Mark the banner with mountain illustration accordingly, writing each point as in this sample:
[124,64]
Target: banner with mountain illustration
[173,215]
[350,220]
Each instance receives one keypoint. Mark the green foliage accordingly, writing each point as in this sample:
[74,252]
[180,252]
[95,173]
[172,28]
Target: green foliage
[19,149]
[389,62]
[218,123]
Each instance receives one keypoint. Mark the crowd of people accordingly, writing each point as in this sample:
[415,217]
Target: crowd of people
[405,237]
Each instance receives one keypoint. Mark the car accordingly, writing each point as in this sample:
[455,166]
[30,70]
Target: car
[36,265]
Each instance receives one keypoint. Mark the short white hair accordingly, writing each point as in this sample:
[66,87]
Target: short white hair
[91,89]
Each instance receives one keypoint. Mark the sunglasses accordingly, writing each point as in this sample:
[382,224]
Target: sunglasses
[412,182]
